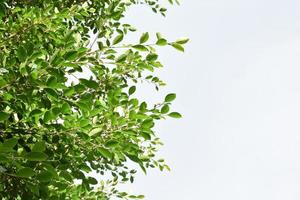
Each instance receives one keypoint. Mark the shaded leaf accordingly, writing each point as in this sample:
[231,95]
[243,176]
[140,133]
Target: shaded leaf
[25,172]
[36,156]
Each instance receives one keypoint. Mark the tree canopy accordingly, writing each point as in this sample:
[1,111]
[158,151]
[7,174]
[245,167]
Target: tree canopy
[56,124]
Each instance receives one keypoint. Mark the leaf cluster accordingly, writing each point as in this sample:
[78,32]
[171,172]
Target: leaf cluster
[56,124]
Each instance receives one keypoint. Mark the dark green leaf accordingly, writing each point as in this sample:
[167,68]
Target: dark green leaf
[92,181]
[44,176]
[25,172]
[4,116]
[131,90]
[21,53]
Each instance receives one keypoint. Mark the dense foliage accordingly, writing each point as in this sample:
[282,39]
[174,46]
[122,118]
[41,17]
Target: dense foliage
[56,123]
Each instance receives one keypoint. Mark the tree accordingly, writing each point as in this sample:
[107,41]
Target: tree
[57,125]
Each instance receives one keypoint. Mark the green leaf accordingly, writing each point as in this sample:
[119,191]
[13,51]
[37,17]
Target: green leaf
[52,93]
[3,159]
[89,83]
[161,42]
[92,181]
[25,172]
[39,146]
[10,143]
[182,40]
[152,57]
[177,46]
[105,153]
[84,122]
[148,123]
[140,47]
[95,131]
[171,1]
[35,112]
[121,58]
[2,10]
[4,116]
[175,115]
[44,176]
[36,156]
[21,53]
[65,108]
[111,143]
[51,82]
[170,97]
[118,39]
[145,135]
[71,55]
[67,176]
[131,90]
[2,82]
[48,116]
[165,109]
[144,38]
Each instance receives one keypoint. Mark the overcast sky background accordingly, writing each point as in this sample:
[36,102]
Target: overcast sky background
[238,88]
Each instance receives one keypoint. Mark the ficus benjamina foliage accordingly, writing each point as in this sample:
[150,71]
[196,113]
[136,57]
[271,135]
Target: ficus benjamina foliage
[67,102]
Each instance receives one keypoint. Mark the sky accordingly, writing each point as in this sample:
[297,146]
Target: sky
[238,89]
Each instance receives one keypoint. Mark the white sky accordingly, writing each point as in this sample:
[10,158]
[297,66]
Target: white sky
[238,88]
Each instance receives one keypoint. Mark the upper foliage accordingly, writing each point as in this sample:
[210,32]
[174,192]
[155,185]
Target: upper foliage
[57,124]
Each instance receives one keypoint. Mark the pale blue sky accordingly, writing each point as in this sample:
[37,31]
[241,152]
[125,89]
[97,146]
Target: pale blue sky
[238,87]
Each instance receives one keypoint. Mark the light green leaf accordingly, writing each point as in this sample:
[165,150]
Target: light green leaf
[140,47]
[161,42]
[95,131]
[144,38]
[65,108]
[177,46]
[182,40]
[118,39]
